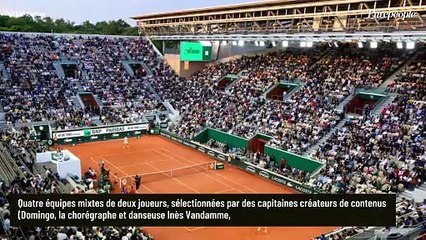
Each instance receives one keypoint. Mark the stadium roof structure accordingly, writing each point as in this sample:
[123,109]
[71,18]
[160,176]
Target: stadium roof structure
[291,19]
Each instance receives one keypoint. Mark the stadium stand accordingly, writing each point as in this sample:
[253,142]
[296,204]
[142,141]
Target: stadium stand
[385,152]
[367,153]
[34,85]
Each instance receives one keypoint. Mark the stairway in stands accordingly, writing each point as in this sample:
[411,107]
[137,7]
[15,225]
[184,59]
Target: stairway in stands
[336,128]
[2,117]
[3,70]
[342,104]
[129,69]
[392,78]
[125,51]
[293,91]
[382,104]
[59,70]
[4,75]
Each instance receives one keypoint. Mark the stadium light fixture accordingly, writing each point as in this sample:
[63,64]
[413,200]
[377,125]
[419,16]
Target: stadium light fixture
[309,44]
[206,43]
[360,45]
[224,43]
[256,43]
[302,44]
[241,43]
[336,44]
[262,43]
[399,45]
[234,43]
[274,44]
[285,43]
[373,44]
[411,45]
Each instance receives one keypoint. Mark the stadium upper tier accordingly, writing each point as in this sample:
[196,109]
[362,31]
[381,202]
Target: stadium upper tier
[359,150]
[284,18]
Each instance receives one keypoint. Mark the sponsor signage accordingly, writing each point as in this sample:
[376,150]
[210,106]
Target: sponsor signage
[195,51]
[278,178]
[100,131]
[264,174]
[251,169]
[62,135]
[201,148]
[247,166]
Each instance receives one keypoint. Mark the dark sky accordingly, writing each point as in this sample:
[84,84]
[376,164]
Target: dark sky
[100,10]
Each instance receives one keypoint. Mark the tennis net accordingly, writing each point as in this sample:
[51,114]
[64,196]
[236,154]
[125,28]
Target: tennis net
[160,175]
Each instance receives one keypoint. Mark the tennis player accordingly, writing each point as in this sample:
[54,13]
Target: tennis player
[126,143]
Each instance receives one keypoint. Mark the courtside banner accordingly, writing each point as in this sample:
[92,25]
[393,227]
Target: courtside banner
[203,210]
[98,131]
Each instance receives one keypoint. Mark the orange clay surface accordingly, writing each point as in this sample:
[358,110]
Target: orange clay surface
[154,153]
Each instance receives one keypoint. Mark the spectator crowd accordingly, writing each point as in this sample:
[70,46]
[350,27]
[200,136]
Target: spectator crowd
[381,153]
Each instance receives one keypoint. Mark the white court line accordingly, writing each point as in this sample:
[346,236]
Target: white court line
[95,142]
[217,180]
[134,165]
[127,152]
[125,174]
[193,229]
[226,190]
[110,140]
[223,177]
[184,184]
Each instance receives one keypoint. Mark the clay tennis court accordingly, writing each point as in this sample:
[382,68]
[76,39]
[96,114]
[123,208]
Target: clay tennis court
[151,154]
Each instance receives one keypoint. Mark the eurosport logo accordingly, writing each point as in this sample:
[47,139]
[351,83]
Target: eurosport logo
[372,14]
[251,169]
[264,174]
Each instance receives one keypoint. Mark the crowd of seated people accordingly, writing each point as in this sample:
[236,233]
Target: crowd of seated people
[205,106]
[107,77]
[263,71]
[27,184]
[299,122]
[295,123]
[47,182]
[381,153]
[410,213]
[268,162]
[35,92]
